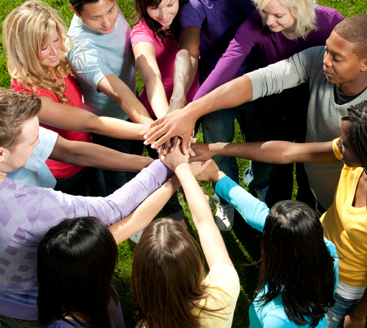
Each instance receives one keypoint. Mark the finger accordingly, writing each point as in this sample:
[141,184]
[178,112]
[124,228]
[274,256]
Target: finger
[184,145]
[195,158]
[174,142]
[191,152]
[158,134]
[156,122]
[206,164]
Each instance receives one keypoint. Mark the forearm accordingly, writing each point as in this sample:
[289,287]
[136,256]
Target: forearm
[222,97]
[93,155]
[157,96]
[185,70]
[118,91]
[276,152]
[145,213]
[116,128]
[357,317]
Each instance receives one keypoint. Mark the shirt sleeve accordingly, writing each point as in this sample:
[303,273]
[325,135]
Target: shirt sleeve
[142,33]
[226,68]
[56,206]
[336,150]
[192,14]
[284,74]
[87,64]
[252,210]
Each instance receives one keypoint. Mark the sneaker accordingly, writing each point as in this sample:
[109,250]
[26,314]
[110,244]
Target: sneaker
[261,193]
[135,238]
[224,218]
[211,203]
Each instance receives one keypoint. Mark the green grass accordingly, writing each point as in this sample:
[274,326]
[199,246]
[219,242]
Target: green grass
[242,242]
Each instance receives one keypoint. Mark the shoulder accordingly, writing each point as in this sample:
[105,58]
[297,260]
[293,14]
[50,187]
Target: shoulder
[327,16]
[224,278]
[192,13]
[18,87]
[142,33]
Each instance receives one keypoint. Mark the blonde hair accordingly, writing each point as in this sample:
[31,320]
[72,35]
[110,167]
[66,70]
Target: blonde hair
[303,11]
[26,31]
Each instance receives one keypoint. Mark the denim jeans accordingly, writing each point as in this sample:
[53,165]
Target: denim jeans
[258,124]
[335,315]
[219,127]
[115,179]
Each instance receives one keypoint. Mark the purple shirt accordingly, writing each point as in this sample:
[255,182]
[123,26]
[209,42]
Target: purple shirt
[218,21]
[274,47]
[28,212]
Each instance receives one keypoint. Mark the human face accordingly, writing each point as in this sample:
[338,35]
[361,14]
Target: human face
[100,16]
[342,66]
[50,53]
[23,150]
[346,150]
[164,13]
[279,19]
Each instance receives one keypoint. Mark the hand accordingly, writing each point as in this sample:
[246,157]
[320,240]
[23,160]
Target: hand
[177,123]
[352,322]
[174,158]
[202,152]
[211,173]
[198,168]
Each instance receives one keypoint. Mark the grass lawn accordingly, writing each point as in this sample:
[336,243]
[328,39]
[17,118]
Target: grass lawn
[242,242]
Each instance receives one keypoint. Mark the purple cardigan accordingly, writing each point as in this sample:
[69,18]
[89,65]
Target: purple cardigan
[28,212]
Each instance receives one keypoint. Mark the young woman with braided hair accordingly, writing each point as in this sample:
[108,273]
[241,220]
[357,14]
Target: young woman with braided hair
[345,221]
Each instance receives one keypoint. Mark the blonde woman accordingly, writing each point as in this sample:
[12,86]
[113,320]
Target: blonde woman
[280,28]
[33,36]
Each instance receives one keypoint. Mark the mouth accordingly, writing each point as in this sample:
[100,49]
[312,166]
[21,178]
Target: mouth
[107,29]
[328,74]
[53,59]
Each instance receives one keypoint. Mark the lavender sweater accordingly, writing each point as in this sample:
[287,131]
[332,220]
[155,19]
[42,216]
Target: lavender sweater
[274,47]
[27,213]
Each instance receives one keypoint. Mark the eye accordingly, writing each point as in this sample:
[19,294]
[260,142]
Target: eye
[44,48]
[57,39]
[111,10]
[278,16]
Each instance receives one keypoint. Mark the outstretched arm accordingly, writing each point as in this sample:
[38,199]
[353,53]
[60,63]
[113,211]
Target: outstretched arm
[77,119]
[90,154]
[182,121]
[146,61]
[276,152]
[118,91]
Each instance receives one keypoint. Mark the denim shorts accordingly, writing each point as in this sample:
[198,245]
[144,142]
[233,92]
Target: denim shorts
[335,315]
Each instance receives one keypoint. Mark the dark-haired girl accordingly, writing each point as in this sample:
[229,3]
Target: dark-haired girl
[76,260]
[155,44]
[345,221]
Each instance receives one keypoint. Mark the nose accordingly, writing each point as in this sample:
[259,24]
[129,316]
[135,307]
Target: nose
[164,15]
[53,50]
[105,23]
[327,59]
[269,19]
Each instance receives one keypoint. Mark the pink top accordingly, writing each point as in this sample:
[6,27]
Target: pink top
[165,55]
[74,93]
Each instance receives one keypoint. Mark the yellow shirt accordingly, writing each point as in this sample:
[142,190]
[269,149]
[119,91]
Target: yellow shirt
[223,290]
[346,227]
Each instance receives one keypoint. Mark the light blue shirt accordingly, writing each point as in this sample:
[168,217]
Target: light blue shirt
[36,172]
[96,55]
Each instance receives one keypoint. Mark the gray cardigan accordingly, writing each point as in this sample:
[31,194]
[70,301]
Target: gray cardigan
[324,115]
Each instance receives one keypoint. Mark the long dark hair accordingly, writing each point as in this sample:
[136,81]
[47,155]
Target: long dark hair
[76,260]
[357,131]
[167,276]
[296,263]
[175,28]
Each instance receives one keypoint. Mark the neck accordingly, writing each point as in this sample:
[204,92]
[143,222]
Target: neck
[290,33]
[353,88]
[2,176]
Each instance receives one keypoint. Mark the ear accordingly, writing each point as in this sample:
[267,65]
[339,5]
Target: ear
[74,10]
[4,155]
[364,65]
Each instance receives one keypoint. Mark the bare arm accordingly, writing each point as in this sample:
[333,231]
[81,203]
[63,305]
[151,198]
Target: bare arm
[89,154]
[210,238]
[186,66]
[118,91]
[357,317]
[146,61]
[276,152]
[182,121]
[145,213]
[77,119]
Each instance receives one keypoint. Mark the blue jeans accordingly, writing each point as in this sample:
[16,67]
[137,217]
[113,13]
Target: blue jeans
[219,127]
[115,179]
[335,315]
[258,124]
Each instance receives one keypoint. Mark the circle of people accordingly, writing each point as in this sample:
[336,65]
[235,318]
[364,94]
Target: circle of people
[293,74]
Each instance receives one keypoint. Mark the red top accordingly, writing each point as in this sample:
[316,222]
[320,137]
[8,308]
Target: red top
[74,93]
